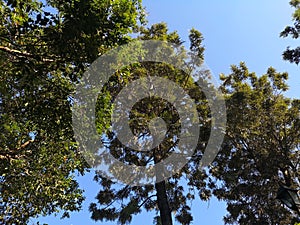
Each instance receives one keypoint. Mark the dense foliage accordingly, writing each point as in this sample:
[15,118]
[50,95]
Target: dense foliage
[174,194]
[44,49]
[45,46]
[261,147]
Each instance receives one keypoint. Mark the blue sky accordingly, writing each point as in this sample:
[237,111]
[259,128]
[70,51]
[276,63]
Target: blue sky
[234,31]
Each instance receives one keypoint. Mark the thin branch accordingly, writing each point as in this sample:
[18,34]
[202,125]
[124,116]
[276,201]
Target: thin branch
[23,54]
[146,201]
[13,153]
[118,198]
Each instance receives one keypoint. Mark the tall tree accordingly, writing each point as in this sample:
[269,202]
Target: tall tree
[44,49]
[293,55]
[171,194]
[261,147]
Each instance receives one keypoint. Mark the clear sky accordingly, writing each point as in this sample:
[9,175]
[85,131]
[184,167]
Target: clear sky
[234,31]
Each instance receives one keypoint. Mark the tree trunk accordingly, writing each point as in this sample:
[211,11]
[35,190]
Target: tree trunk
[160,187]
[163,203]
[161,192]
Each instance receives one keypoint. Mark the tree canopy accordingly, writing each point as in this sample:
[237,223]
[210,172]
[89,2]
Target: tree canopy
[44,48]
[172,194]
[261,147]
[260,152]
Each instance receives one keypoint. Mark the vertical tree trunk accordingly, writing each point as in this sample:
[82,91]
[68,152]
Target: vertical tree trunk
[161,191]
[163,203]
[160,187]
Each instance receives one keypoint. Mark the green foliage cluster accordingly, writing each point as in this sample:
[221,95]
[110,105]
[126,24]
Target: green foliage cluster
[44,48]
[293,55]
[261,145]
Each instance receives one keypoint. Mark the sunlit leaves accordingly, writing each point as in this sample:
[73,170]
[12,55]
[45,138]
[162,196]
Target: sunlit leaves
[45,47]
[261,142]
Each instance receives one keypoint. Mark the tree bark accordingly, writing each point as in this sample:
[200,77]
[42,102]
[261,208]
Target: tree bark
[163,203]
[161,191]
